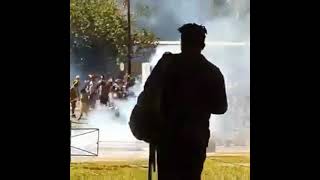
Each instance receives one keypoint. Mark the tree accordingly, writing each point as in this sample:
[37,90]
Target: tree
[102,24]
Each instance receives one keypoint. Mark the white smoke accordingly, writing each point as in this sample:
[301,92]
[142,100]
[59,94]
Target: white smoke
[167,15]
[111,126]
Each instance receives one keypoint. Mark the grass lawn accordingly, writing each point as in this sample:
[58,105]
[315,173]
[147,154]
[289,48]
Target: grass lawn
[217,167]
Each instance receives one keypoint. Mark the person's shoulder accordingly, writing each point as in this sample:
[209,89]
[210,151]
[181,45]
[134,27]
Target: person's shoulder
[167,55]
[211,67]
[212,70]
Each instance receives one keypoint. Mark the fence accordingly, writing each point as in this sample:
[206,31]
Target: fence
[83,132]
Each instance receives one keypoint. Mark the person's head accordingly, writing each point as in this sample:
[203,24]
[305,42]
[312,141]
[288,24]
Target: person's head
[192,37]
[77,77]
[92,77]
[102,76]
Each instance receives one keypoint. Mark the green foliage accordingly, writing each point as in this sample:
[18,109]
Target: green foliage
[103,23]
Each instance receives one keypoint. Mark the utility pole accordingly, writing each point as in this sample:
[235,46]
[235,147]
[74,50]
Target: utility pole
[129,38]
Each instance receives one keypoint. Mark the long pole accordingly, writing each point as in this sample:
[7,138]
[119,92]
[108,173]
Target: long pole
[129,38]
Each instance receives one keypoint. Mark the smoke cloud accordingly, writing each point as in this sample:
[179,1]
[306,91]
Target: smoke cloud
[228,17]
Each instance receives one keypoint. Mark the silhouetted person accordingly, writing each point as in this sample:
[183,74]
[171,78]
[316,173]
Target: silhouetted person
[74,97]
[93,91]
[185,108]
[84,103]
[77,80]
[103,90]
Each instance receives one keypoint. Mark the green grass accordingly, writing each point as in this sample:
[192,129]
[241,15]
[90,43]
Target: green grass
[215,168]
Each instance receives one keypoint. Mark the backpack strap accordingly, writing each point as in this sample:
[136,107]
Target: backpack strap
[166,69]
[152,160]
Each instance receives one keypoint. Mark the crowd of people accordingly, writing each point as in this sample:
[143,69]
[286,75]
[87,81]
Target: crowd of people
[97,88]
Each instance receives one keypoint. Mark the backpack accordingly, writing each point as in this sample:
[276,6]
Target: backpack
[146,121]
[146,117]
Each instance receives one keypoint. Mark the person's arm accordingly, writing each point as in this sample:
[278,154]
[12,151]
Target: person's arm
[218,99]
